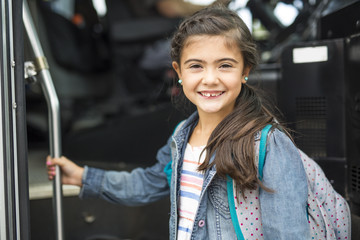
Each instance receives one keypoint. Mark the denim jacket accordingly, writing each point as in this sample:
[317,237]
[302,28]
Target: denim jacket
[283,212]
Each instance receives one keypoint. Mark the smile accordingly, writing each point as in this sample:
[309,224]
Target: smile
[208,94]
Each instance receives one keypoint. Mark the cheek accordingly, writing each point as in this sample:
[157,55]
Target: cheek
[189,84]
[235,84]
[188,90]
[236,88]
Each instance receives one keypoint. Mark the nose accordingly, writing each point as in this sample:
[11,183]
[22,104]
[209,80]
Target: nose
[210,77]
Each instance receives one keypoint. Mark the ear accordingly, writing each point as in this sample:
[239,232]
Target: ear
[176,67]
[246,73]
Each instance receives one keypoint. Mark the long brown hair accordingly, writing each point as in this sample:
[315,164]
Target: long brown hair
[233,139]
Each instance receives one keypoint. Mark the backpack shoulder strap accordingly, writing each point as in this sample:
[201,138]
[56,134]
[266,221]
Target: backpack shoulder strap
[229,182]
[262,149]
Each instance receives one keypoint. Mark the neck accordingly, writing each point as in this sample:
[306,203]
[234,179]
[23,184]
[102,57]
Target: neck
[208,122]
[206,125]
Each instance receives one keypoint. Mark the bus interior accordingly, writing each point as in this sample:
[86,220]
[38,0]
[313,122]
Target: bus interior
[110,65]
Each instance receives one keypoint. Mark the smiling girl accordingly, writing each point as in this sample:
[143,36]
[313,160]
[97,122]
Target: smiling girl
[213,53]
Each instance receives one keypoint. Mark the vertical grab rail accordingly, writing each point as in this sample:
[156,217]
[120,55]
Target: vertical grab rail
[54,114]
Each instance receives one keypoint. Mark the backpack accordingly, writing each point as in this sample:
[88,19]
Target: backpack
[328,212]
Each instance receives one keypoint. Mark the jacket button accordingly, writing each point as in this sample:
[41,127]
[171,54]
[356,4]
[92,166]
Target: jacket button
[201,223]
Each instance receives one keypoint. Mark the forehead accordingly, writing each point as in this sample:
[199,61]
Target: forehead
[225,40]
[208,44]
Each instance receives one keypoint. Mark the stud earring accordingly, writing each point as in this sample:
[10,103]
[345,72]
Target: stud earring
[246,79]
[180,81]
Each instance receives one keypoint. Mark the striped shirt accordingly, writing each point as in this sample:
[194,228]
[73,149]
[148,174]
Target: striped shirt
[190,188]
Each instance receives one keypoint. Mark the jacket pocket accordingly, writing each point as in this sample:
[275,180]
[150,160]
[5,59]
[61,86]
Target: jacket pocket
[218,197]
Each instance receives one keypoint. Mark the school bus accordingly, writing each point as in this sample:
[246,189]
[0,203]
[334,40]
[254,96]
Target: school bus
[86,79]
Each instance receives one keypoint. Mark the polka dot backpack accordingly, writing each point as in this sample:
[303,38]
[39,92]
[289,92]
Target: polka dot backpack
[328,212]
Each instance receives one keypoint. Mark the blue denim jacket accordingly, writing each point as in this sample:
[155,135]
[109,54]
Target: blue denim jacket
[283,212]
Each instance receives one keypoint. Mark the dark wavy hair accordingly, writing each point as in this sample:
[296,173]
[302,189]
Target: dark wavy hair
[233,139]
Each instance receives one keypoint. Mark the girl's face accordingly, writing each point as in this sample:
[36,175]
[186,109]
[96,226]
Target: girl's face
[212,73]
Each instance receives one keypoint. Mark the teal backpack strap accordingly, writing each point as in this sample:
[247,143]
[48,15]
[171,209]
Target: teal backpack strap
[168,172]
[230,187]
[234,218]
[168,167]
[262,149]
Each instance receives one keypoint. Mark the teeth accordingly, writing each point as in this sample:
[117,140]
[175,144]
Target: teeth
[211,94]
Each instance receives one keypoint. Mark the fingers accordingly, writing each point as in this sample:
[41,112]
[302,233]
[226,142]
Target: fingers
[70,172]
[51,164]
[50,168]
[51,172]
[50,161]
[56,161]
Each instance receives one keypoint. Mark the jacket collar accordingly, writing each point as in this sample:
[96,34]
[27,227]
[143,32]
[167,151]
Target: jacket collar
[183,134]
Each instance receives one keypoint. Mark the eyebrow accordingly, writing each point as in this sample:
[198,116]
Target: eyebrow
[220,60]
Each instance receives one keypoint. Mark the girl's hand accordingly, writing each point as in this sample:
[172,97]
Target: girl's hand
[71,173]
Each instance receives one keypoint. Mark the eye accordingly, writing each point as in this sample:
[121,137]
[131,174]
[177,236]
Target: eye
[225,65]
[195,66]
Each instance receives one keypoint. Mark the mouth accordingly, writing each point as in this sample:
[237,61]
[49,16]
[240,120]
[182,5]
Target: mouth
[211,94]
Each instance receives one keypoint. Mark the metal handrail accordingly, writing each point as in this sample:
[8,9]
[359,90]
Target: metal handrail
[52,100]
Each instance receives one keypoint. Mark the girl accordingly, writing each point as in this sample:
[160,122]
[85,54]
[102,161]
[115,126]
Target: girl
[213,53]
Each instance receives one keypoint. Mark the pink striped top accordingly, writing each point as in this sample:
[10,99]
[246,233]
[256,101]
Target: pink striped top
[191,182]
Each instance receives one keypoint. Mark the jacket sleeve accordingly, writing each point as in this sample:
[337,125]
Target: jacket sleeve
[138,187]
[284,212]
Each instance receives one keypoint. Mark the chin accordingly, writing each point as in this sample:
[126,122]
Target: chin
[211,111]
